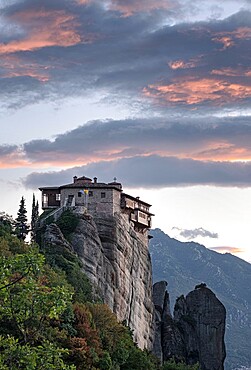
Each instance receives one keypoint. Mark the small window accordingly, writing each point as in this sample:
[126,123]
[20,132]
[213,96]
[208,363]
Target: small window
[102,195]
[90,193]
[79,194]
[142,215]
[57,196]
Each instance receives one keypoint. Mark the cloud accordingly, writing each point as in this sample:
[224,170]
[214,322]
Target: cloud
[231,250]
[225,139]
[42,28]
[66,49]
[215,91]
[129,7]
[192,234]
[200,138]
[152,172]
[13,67]
[11,156]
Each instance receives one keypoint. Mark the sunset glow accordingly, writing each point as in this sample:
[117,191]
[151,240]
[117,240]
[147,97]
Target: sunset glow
[156,93]
[191,92]
[46,29]
[138,6]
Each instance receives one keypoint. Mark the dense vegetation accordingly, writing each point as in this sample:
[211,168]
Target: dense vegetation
[48,318]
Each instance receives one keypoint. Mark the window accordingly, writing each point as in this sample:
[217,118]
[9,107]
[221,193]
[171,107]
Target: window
[142,215]
[57,196]
[102,195]
[79,194]
[90,193]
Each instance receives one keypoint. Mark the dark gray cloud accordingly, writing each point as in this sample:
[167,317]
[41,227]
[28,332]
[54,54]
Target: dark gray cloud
[7,149]
[125,57]
[152,172]
[192,234]
[201,138]
[204,138]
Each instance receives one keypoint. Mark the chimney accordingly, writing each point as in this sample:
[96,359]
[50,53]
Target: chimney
[95,180]
[75,179]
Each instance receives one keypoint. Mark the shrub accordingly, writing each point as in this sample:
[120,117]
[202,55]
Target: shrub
[67,223]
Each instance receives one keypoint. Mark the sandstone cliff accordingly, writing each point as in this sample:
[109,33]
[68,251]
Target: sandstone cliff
[117,261]
[196,331]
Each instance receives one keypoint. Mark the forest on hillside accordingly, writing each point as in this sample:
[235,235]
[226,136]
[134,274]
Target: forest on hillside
[49,318]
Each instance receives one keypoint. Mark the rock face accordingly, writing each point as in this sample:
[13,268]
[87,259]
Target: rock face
[117,261]
[185,265]
[196,331]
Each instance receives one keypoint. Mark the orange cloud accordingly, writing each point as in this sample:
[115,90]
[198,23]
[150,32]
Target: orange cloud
[242,33]
[197,91]
[46,28]
[13,159]
[129,8]
[180,64]
[16,67]
[232,250]
[227,38]
[224,151]
[238,72]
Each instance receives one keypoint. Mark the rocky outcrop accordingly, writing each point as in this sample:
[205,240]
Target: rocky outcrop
[196,331]
[117,261]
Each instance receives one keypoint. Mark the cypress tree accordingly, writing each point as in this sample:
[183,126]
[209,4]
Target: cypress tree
[22,228]
[34,218]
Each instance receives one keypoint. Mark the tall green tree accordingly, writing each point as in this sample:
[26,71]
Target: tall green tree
[30,299]
[21,221]
[6,224]
[34,218]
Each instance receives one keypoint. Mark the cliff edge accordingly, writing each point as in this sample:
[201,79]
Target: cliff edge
[117,261]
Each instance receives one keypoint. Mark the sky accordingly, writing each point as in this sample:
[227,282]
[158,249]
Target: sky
[153,92]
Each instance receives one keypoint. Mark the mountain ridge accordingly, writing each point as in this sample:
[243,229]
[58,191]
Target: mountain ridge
[185,265]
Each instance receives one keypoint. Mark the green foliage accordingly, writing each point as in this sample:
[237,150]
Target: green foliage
[172,365]
[117,340]
[37,317]
[105,362]
[34,218]
[140,360]
[45,214]
[10,244]
[61,257]
[67,223]
[21,224]
[6,224]
[15,356]
[27,298]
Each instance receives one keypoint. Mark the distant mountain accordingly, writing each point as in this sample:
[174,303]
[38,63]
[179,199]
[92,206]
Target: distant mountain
[184,265]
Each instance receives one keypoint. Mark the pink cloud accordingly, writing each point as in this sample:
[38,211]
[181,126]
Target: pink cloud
[13,158]
[16,67]
[44,28]
[234,72]
[130,7]
[224,151]
[195,91]
[231,250]
[228,38]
